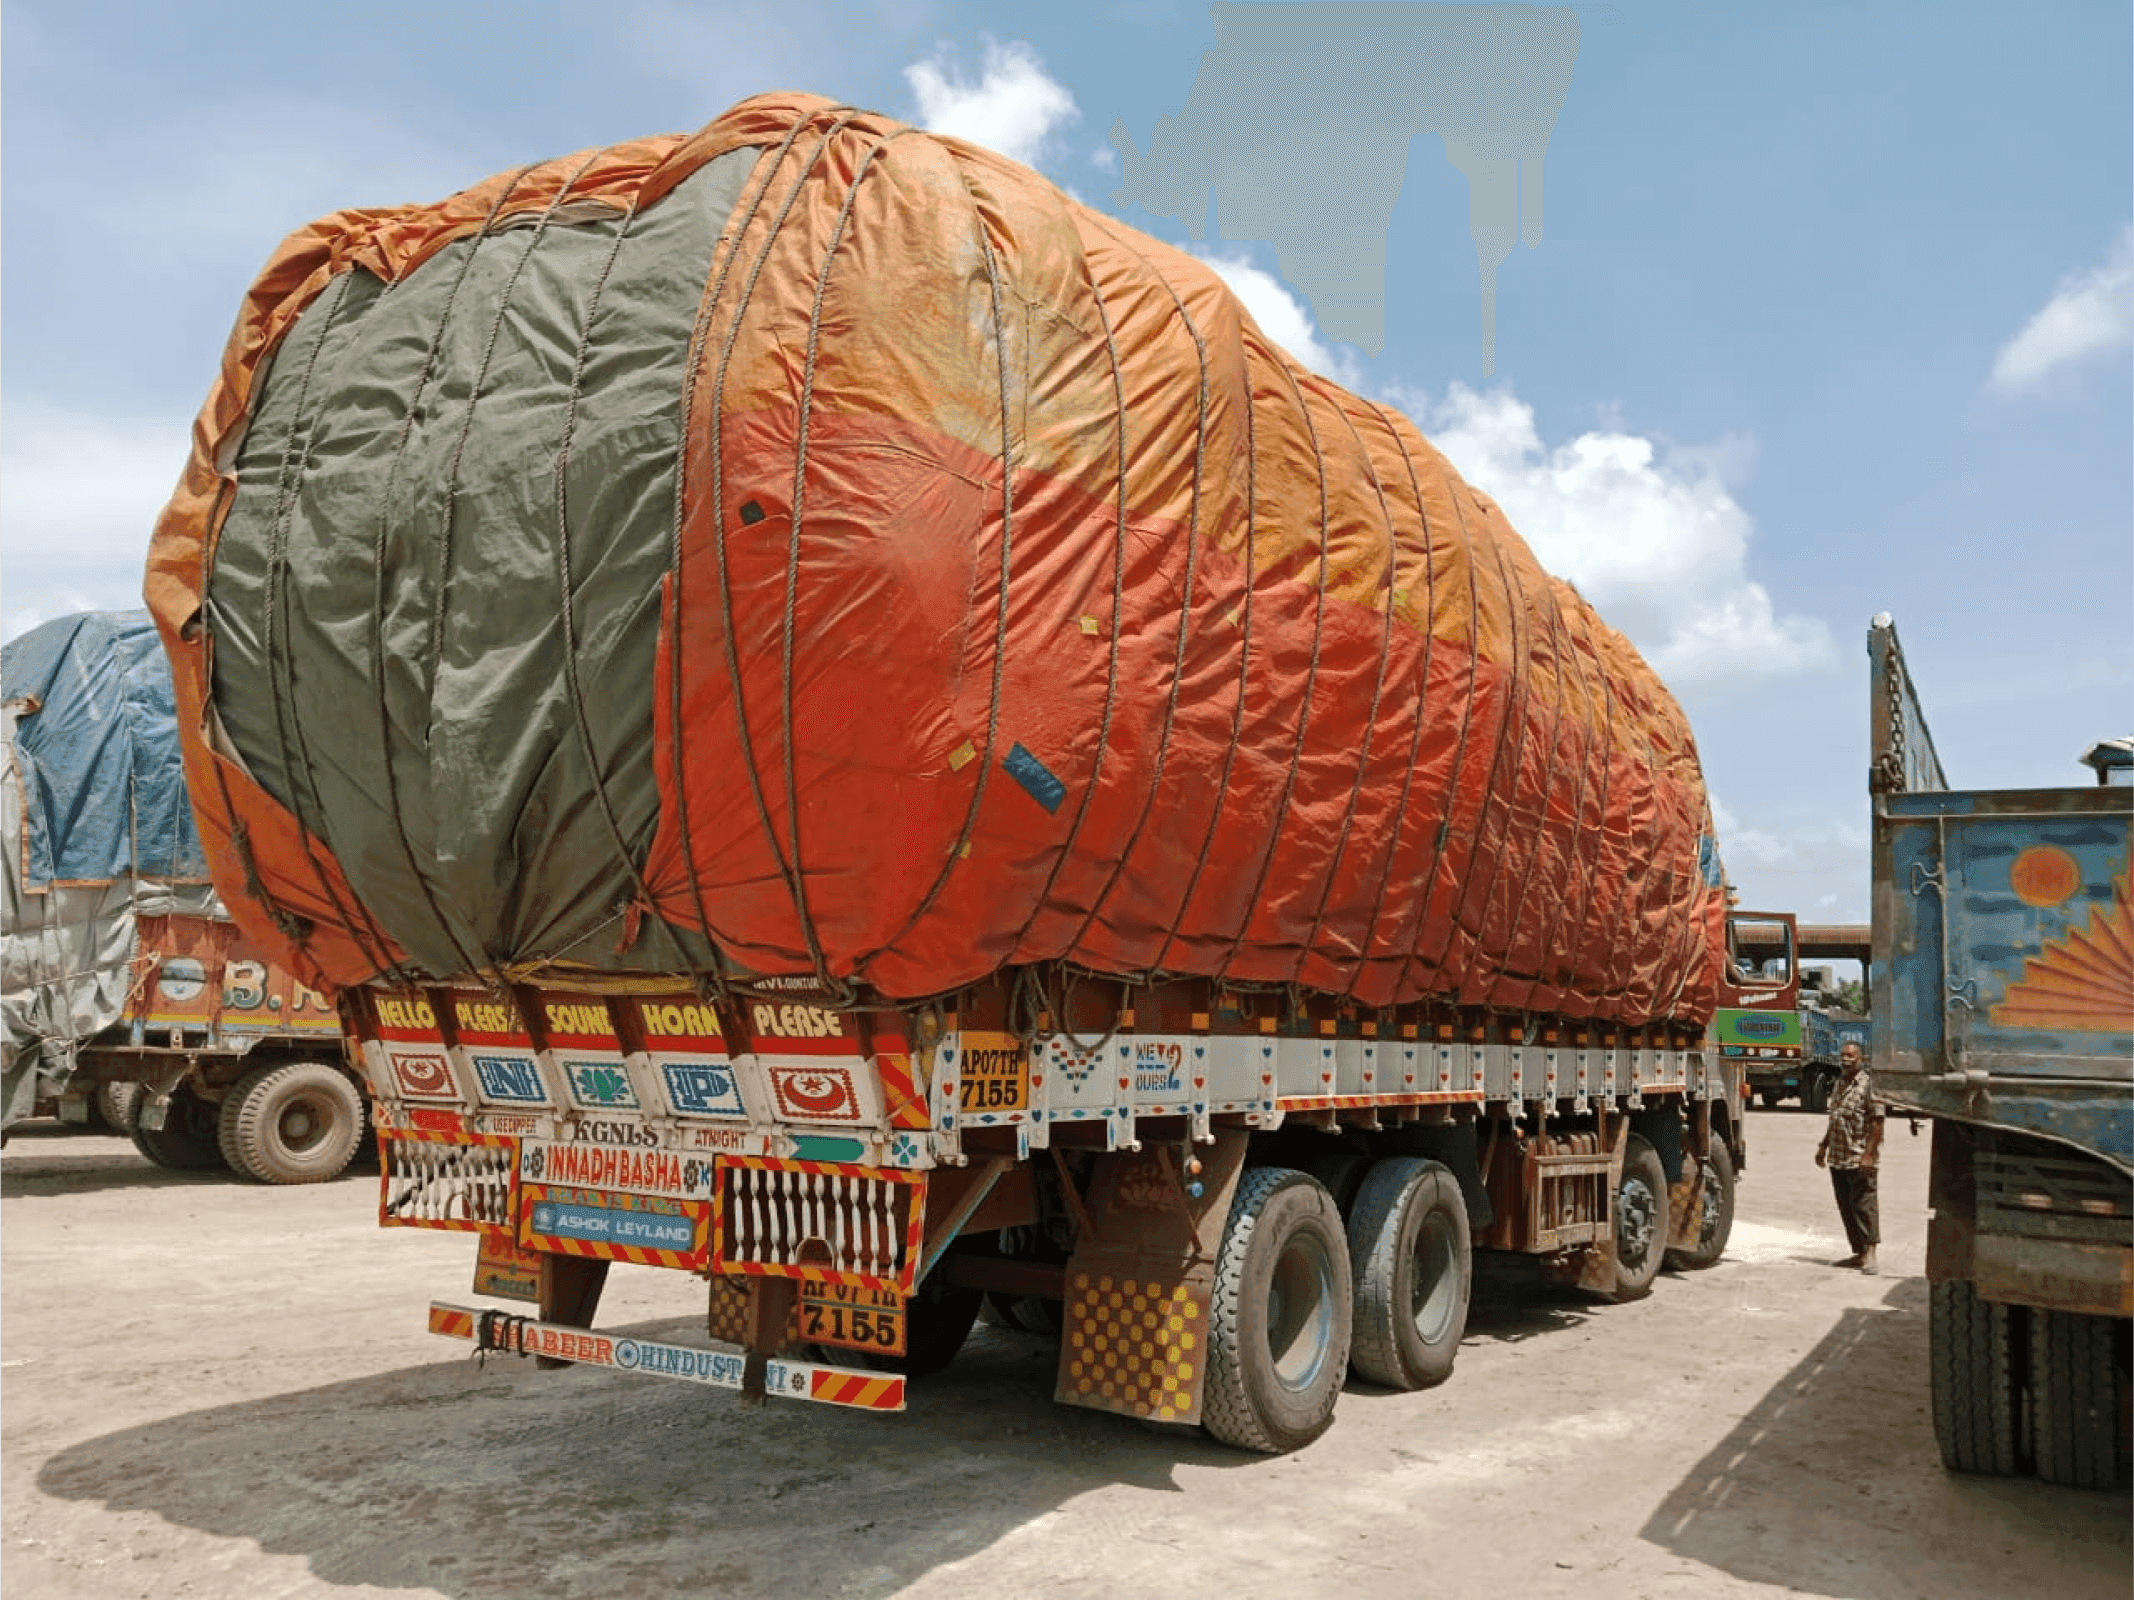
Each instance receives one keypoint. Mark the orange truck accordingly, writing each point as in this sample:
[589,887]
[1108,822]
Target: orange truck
[845,725]
[129,996]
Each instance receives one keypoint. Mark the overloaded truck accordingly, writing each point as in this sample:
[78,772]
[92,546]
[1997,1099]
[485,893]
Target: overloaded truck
[2003,1000]
[840,722]
[127,993]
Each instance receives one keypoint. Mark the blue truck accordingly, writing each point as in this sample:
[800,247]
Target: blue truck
[2002,990]
[1809,1071]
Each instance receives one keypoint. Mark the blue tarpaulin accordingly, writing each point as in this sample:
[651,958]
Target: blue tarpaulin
[103,786]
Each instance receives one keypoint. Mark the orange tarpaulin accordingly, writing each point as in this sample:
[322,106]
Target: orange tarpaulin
[1002,596]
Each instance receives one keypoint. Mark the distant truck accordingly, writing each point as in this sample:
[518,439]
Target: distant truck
[128,995]
[1791,1052]
[2002,986]
[1811,1072]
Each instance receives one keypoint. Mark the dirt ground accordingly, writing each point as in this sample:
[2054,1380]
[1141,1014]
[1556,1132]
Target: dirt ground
[210,1388]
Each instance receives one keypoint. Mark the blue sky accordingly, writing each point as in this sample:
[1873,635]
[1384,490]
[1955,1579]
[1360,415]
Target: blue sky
[1831,314]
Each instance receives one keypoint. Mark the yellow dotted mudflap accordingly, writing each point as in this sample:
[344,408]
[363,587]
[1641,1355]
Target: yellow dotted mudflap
[1135,1340]
[728,1319]
[728,1322]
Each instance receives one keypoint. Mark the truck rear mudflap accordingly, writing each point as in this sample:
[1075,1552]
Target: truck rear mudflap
[489,1329]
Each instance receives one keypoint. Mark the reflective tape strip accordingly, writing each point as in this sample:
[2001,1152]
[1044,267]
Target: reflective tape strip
[593,1250]
[900,1090]
[452,1321]
[1363,1102]
[867,1393]
[656,1358]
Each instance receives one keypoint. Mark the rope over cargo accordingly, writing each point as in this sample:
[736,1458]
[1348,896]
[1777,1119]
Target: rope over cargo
[828,542]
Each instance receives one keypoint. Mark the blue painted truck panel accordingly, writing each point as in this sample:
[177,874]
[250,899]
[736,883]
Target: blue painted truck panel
[1825,1035]
[2002,978]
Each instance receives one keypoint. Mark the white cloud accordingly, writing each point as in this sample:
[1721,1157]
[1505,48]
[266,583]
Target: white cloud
[1104,158]
[2091,313]
[1282,317]
[79,494]
[1652,538]
[1823,866]
[1014,107]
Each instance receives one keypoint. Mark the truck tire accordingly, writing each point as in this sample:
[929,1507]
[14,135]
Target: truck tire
[1972,1351]
[291,1122]
[937,1320]
[118,1104]
[1023,1313]
[1278,1334]
[1815,1090]
[2074,1399]
[1717,1222]
[186,1142]
[1413,1266]
[1033,1313]
[1640,1221]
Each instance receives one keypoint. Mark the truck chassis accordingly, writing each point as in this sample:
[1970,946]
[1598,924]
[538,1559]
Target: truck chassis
[1222,1199]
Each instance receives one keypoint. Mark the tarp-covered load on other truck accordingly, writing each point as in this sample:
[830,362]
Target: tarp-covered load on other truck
[127,990]
[817,548]
[98,837]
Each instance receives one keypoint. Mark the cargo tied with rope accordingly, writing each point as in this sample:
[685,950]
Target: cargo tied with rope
[804,646]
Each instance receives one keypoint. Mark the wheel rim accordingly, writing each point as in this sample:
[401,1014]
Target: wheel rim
[1635,1210]
[302,1126]
[1434,1288]
[1708,1222]
[1300,1312]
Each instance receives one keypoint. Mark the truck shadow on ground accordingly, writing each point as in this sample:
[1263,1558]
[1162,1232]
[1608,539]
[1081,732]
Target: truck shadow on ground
[1799,1493]
[490,1483]
[1514,1300]
[53,1169]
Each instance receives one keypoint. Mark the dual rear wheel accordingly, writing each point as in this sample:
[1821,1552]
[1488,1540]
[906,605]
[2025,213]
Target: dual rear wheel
[2019,1388]
[1302,1298]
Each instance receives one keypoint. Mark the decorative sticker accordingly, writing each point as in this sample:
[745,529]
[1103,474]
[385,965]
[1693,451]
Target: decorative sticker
[800,1030]
[627,1221]
[579,1023]
[483,1020]
[702,1087]
[513,1077]
[599,1084]
[1159,1067]
[608,1166]
[404,1017]
[686,1026]
[824,1093]
[422,1074]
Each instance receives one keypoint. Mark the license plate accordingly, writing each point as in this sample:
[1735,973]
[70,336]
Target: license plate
[995,1074]
[852,1319]
[505,1269]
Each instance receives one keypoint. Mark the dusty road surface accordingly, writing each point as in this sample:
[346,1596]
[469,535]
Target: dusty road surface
[209,1388]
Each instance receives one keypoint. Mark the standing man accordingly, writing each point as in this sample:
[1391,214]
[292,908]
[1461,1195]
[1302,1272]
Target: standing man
[1851,1146]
